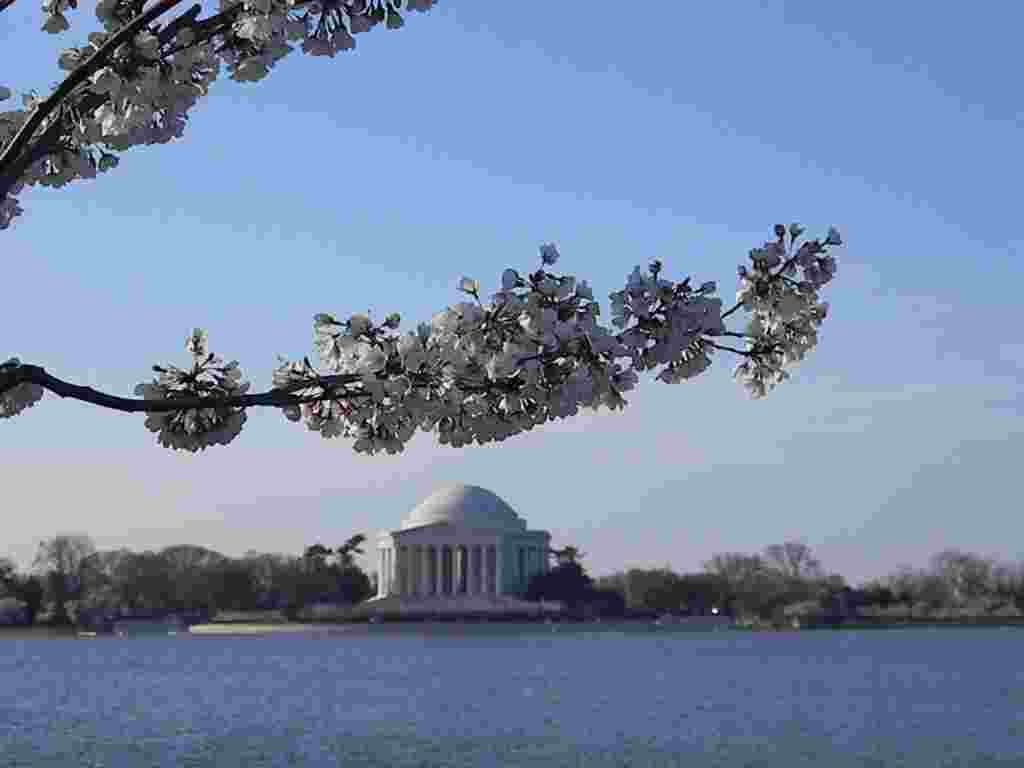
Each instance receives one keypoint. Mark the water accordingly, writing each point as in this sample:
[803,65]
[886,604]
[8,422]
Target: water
[517,695]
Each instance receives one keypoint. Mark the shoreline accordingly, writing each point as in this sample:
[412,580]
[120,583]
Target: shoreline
[324,627]
[35,632]
[247,628]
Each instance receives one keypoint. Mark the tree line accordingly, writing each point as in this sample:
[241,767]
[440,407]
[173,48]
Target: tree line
[786,580]
[71,582]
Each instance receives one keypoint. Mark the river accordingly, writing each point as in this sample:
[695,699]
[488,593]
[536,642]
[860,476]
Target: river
[518,695]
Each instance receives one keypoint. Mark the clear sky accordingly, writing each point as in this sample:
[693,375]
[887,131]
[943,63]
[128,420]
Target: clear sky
[455,146]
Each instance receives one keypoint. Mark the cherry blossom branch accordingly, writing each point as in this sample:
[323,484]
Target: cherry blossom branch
[96,62]
[723,347]
[277,397]
[140,93]
[5,4]
[771,278]
[188,18]
[732,309]
[47,143]
[479,372]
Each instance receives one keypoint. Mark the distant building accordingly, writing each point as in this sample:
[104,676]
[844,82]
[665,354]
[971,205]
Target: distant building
[462,549]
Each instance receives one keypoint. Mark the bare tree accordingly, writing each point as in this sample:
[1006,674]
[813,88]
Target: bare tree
[1008,583]
[65,553]
[735,567]
[793,559]
[966,575]
[7,571]
[62,561]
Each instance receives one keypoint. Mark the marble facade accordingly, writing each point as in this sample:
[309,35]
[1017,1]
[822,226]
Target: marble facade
[461,541]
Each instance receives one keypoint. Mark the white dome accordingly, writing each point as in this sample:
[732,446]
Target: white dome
[466,505]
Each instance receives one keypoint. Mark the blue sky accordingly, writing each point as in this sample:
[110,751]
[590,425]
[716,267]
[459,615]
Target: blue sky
[458,144]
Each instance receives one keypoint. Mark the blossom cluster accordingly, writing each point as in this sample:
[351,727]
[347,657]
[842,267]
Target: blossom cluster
[784,311]
[670,323]
[145,90]
[482,372]
[16,399]
[209,377]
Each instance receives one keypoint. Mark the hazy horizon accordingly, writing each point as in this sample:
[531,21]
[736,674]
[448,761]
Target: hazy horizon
[455,146]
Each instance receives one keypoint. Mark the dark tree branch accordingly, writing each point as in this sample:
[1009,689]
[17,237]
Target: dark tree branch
[5,4]
[736,306]
[14,160]
[96,62]
[745,353]
[47,143]
[278,397]
[186,19]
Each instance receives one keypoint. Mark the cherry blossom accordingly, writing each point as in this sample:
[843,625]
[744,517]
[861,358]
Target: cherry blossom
[141,92]
[477,372]
[208,378]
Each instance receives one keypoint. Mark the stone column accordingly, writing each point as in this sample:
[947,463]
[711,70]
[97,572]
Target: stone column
[435,559]
[424,570]
[391,570]
[476,570]
[407,577]
[453,571]
[387,571]
[399,572]
[444,566]
[460,570]
[499,587]
[413,568]
[403,572]
[380,573]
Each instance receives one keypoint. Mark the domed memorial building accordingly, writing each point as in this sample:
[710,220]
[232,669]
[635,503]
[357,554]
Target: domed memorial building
[462,549]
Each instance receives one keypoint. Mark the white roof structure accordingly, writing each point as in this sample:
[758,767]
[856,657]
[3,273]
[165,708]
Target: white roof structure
[468,506]
[462,549]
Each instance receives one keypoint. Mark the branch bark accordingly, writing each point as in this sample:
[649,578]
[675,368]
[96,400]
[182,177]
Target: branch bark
[277,397]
